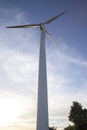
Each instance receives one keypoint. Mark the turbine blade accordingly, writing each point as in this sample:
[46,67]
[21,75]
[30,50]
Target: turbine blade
[50,37]
[37,25]
[52,19]
[25,26]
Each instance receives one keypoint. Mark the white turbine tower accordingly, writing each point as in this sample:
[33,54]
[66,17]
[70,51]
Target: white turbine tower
[42,106]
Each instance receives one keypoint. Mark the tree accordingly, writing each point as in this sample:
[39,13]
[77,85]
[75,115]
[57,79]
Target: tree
[75,113]
[70,128]
[84,119]
[53,128]
[78,116]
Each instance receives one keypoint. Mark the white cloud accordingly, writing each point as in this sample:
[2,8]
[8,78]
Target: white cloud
[19,72]
[12,106]
[20,68]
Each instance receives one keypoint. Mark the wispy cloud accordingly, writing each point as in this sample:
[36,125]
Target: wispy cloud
[19,74]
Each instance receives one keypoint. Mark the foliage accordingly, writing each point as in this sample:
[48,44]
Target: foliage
[70,128]
[78,116]
[75,113]
[53,128]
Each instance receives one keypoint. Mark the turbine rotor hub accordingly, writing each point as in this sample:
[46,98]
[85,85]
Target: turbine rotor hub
[42,27]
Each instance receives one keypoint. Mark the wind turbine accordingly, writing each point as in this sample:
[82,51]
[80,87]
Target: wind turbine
[42,106]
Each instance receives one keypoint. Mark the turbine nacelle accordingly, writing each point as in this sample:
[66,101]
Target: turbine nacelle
[42,27]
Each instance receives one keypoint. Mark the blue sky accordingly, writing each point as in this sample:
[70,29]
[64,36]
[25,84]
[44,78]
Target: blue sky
[19,56]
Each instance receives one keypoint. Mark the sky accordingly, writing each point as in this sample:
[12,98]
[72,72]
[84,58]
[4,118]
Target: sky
[19,57]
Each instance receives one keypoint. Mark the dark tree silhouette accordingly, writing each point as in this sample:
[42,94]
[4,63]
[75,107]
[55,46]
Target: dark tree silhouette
[70,128]
[78,116]
[75,113]
[53,128]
